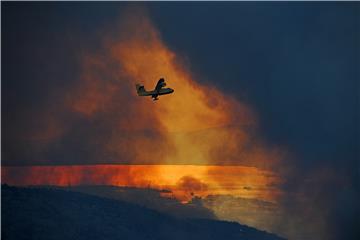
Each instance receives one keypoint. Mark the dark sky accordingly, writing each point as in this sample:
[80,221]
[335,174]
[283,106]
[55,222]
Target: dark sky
[296,64]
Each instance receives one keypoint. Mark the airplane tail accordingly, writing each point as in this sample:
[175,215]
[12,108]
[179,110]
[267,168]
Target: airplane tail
[140,89]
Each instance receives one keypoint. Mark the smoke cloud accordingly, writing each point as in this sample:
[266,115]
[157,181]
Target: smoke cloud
[99,119]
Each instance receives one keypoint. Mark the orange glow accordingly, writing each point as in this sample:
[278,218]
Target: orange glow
[183,180]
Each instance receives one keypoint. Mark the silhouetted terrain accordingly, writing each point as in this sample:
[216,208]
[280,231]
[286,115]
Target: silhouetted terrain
[147,197]
[251,212]
[49,213]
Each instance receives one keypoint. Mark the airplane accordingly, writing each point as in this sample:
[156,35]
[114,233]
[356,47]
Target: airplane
[159,90]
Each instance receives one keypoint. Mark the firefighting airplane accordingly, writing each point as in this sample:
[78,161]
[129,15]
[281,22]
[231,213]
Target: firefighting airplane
[159,90]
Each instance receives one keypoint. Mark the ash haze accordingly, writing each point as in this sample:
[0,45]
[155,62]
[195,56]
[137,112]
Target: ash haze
[266,97]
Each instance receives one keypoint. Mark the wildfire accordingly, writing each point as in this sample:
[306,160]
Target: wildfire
[184,181]
[197,125]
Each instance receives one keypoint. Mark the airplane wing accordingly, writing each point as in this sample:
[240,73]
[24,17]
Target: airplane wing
[160,84]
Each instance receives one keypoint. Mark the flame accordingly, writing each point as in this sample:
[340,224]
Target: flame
[184,181]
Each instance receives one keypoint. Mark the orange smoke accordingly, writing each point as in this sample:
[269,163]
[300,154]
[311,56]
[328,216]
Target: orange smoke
[196,125]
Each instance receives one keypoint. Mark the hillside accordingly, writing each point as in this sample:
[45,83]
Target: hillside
[149,198]
[46,213]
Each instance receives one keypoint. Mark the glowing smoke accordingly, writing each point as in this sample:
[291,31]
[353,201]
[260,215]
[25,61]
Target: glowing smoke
[195,125]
